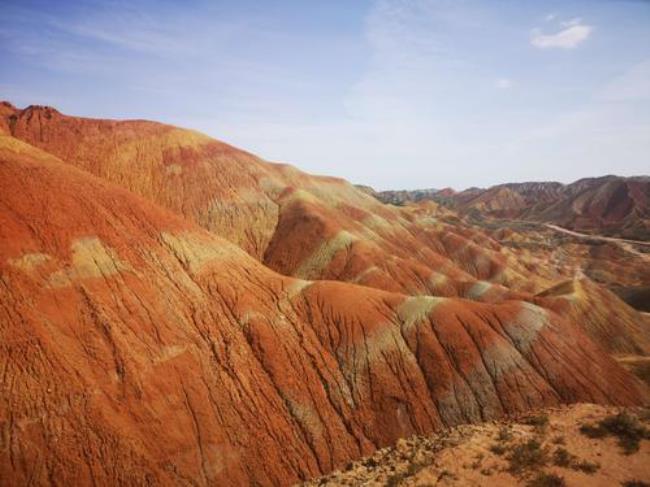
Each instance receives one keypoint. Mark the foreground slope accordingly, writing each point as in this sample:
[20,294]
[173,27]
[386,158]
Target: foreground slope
[139,348]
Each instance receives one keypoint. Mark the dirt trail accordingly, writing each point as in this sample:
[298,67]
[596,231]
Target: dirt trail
[627,245]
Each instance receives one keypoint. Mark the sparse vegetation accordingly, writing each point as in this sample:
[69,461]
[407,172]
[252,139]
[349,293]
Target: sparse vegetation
[624,426]
[544,479]
[525,456]
[562,458]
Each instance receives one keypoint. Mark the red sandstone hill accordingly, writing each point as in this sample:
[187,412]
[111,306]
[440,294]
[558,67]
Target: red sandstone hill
[140,346]
[608,205]
[297,224]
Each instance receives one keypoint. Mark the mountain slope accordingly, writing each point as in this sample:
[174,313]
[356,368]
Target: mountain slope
[297,224]
[139,348]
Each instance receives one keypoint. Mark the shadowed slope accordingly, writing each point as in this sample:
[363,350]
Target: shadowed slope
[139,348]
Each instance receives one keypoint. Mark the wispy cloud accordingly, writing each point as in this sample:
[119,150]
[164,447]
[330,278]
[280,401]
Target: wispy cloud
[573,34]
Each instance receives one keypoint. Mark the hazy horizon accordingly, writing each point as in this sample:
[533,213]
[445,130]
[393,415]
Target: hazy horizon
[390,94]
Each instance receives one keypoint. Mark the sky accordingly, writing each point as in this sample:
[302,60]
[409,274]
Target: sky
[396,94]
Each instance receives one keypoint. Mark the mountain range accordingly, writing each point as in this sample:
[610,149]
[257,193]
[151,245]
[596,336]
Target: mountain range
[175,310]
[609,205]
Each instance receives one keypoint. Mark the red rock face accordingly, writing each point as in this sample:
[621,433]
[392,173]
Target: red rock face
[138,345]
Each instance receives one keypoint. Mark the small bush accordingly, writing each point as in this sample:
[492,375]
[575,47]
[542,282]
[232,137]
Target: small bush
[562,458]
[544,479]
[586,467]
[592,431]
[635,483]
[527,456]
[498,449]
[559,440]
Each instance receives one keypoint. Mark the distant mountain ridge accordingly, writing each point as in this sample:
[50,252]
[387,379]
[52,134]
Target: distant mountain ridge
[609,205]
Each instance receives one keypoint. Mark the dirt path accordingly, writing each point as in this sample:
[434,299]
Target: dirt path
[627,245]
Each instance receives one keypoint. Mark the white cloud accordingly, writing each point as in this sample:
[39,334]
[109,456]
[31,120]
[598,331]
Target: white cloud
[574,34]
[503,83]
[550,17]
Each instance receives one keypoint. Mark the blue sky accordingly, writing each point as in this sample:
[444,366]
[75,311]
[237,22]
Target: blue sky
[390,93]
